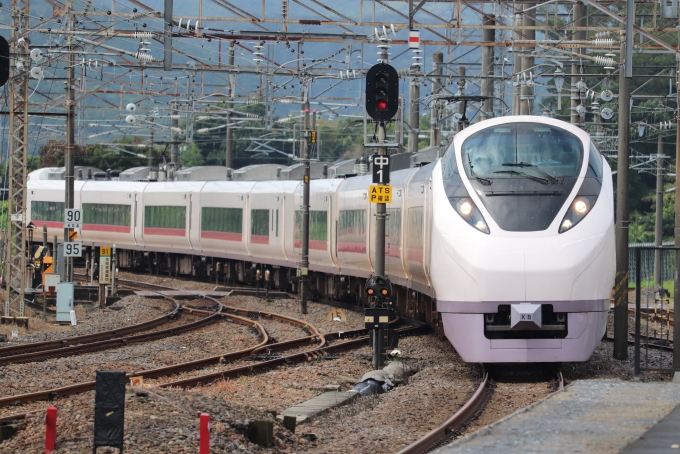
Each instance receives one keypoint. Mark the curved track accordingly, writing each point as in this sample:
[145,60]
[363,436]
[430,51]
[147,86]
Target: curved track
[24,349]
[441,435]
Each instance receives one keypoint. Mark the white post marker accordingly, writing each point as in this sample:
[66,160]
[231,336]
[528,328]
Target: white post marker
[414,39]
[74,322]
[73,218]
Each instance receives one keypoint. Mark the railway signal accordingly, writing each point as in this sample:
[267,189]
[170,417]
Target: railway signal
[4,61]
[382,92]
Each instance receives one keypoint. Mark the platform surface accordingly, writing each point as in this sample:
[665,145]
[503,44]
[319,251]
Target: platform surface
[663,438]
[590,416]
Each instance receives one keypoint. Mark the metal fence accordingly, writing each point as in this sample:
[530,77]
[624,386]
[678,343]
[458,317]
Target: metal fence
[647,259]
[654,271]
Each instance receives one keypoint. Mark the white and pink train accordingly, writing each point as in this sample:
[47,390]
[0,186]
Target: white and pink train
[516,219]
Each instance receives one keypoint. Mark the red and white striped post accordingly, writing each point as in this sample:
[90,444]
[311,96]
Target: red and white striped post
[204,447]
[50,429]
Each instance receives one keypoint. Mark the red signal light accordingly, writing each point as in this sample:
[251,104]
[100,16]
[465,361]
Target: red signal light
[382,105]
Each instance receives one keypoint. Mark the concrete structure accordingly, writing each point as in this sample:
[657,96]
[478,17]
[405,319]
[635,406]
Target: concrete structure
[602,416]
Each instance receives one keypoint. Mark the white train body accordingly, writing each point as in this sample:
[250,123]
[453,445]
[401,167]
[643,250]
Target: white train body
[476,277]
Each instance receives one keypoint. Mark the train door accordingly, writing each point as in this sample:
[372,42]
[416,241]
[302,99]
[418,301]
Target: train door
[133,199]
[190,215]
[427,227]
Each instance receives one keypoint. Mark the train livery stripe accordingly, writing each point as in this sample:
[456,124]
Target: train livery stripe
[317,245]
[50,224]
[225,236]
[393,251]
[414,255]
[359,248]
[107,228]
[259,239]
[164,231]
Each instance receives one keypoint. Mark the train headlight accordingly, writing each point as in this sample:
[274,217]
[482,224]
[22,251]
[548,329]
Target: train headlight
[578,210]
[581,206]
[467,209]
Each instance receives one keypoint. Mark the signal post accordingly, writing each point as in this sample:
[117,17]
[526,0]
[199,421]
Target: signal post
[382,102]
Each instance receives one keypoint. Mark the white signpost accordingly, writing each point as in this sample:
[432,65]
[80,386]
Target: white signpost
[73,218]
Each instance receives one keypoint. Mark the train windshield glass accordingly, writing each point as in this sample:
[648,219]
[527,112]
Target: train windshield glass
[520,150]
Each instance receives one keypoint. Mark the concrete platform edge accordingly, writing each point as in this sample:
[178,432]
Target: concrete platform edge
[486,429]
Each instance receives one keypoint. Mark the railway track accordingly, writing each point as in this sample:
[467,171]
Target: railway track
[111,339]
[22,349]
[446,432]
[360,338]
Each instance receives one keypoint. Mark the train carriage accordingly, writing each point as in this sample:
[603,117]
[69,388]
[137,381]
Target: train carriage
[516,218]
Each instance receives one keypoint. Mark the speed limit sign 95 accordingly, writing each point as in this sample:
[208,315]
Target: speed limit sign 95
[74,249]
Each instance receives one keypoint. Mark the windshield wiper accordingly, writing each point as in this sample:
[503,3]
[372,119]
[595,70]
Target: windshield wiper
[526,164]
[532,177]
[484,181]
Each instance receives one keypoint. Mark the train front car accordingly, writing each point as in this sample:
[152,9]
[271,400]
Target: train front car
[523,257]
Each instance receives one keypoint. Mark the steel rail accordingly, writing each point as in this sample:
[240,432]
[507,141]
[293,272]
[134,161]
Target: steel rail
[77,388]
[88,338]
[463,414]
[296,357]
[112,343]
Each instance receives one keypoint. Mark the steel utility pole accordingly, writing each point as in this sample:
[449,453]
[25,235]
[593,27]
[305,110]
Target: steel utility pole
[579,15]
[15,268]
[621,283]
[229,159]
[528,61]
[461,105]
[174,138]
[658,225]
[435,128]
[413,113]
[488,64]
[304,255]
[150,147]
[167,38]
[676,293]
[517,63]
[69,176]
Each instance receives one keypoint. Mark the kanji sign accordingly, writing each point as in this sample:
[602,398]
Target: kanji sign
[380,194]
[381,169]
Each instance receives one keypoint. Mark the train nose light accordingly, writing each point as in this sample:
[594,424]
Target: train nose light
[465,208]
[581,206]
[577,211]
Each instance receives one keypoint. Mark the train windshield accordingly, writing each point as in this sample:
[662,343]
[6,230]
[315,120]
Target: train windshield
[522,150]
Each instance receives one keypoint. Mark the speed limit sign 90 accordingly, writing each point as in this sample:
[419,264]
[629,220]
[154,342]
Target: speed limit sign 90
[73,218]
[74,249]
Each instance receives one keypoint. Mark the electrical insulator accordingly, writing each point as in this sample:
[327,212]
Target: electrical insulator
[604,61]
[143,35]
[284,8]
[602,42]
[145,57]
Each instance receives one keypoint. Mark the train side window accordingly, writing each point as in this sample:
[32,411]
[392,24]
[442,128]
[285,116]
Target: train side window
[106,214]
[47,211]
[259,222]
[162,216]
[227,220]
[318,226]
